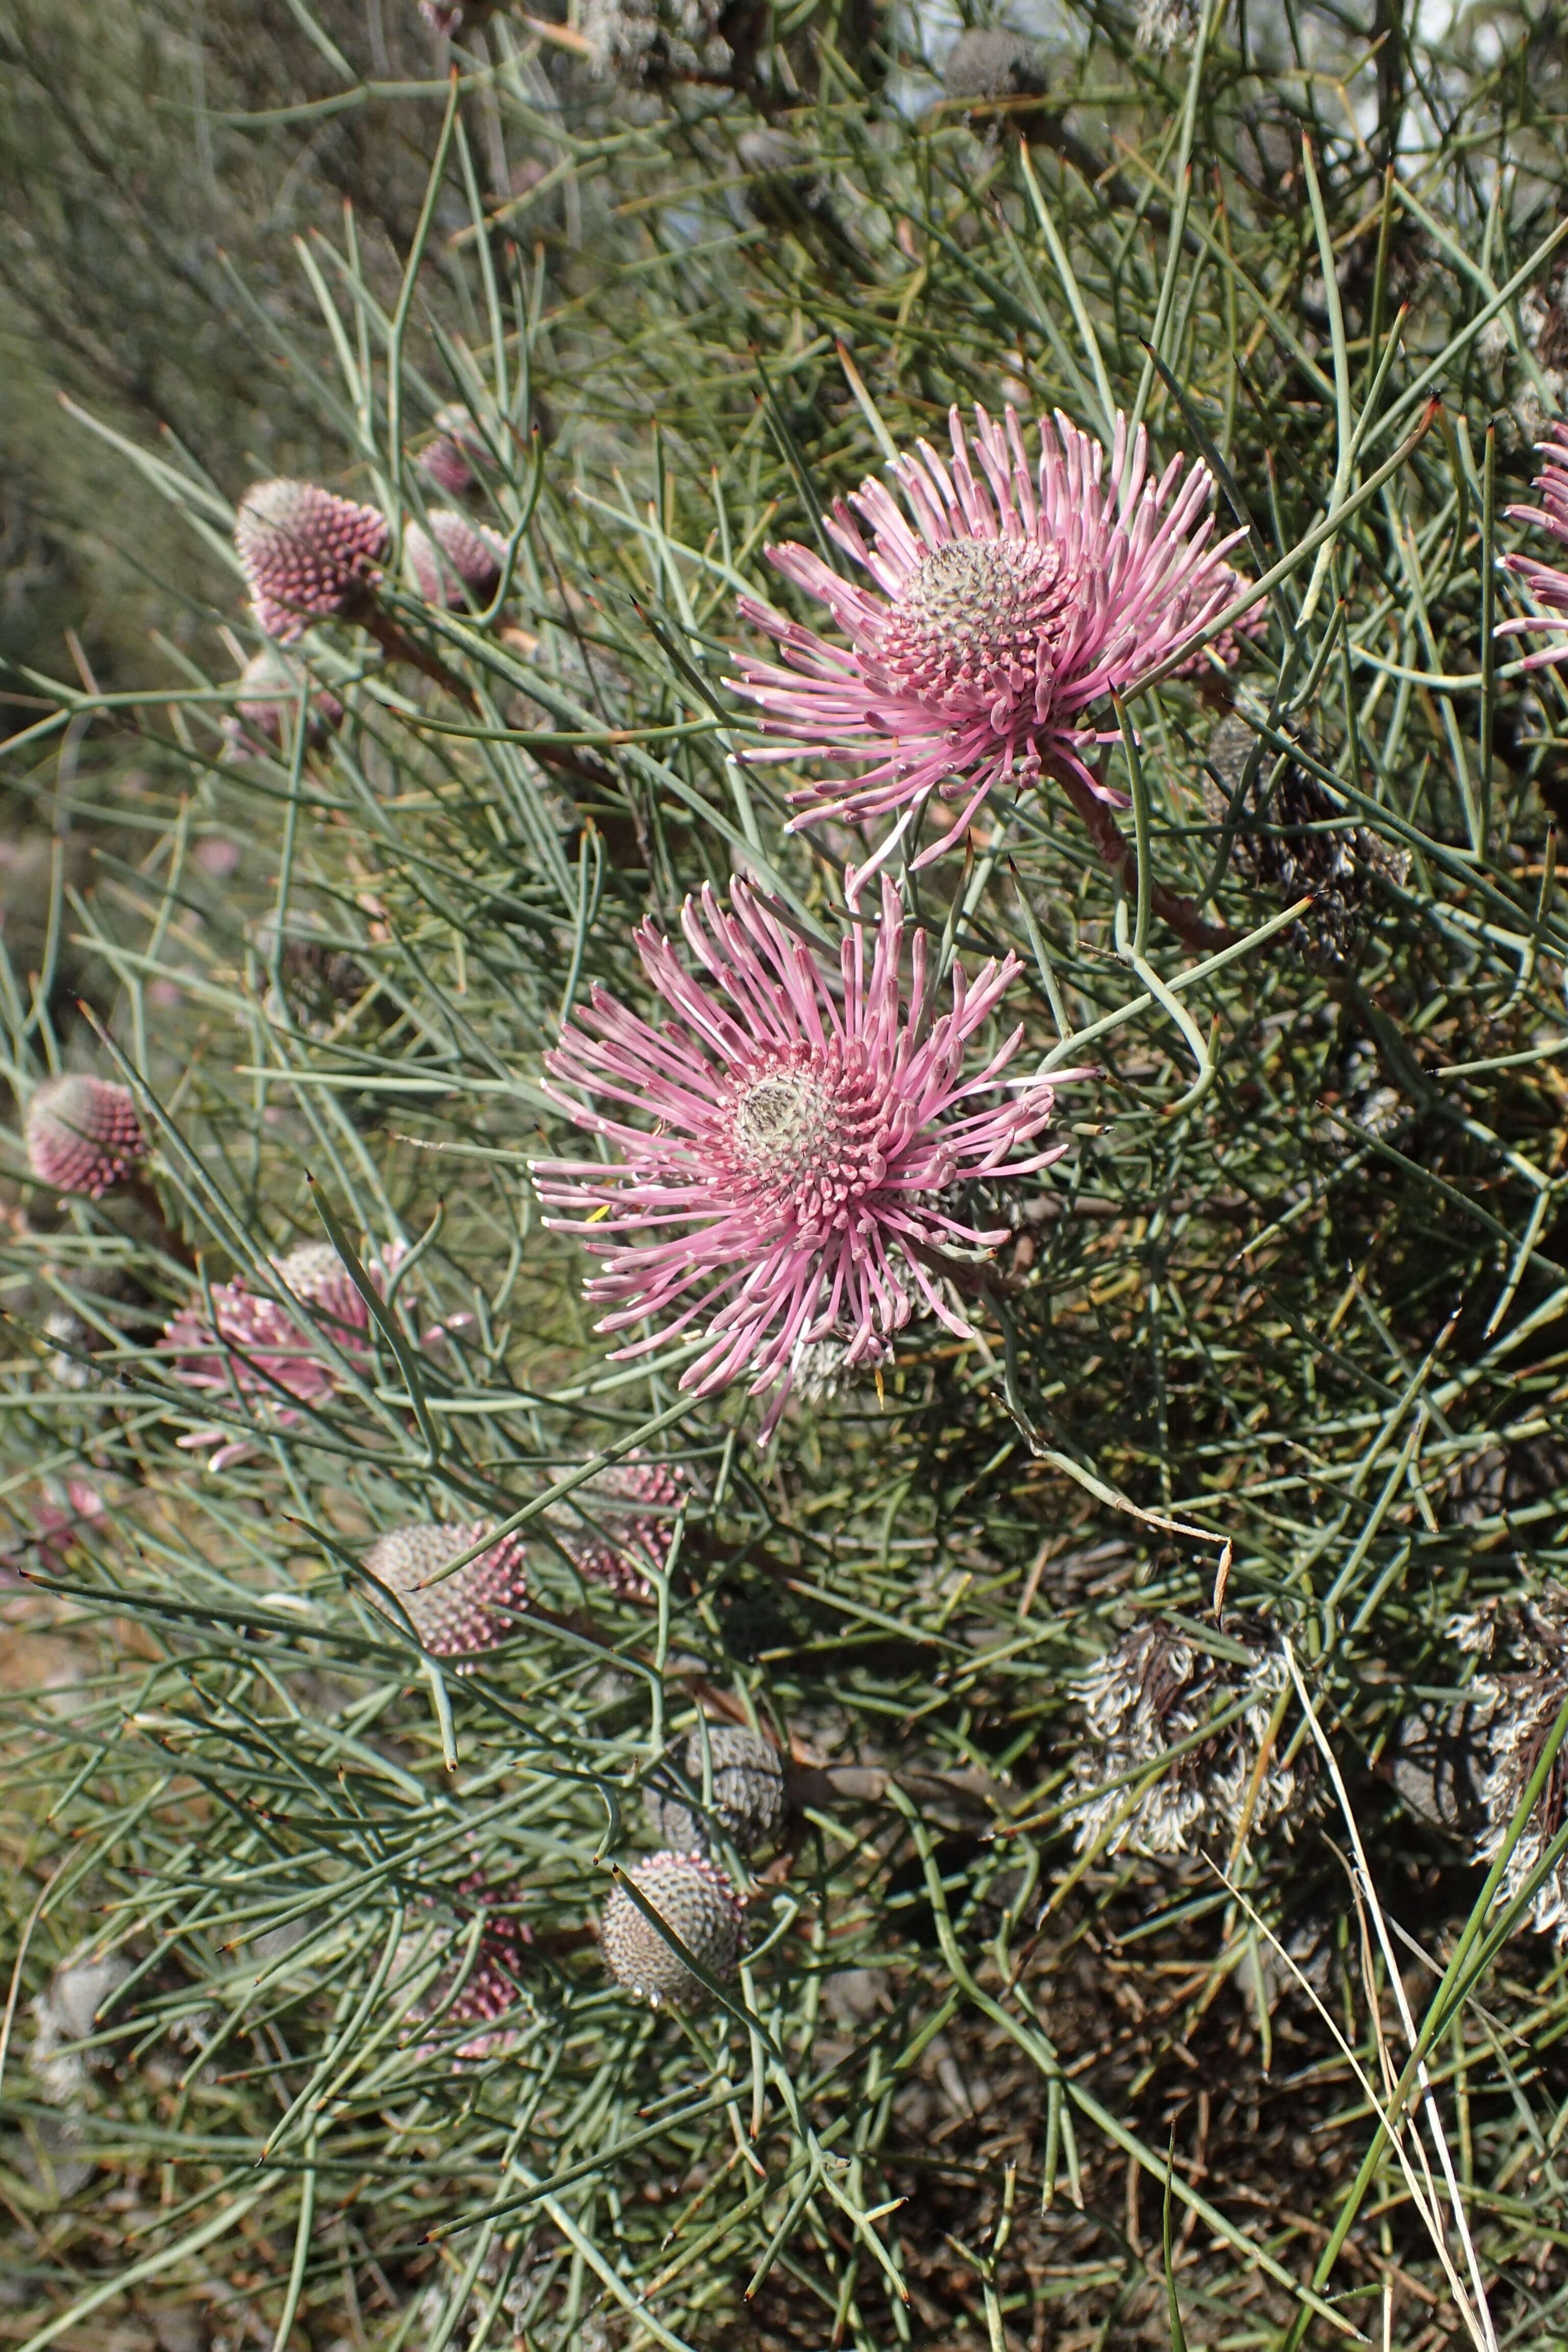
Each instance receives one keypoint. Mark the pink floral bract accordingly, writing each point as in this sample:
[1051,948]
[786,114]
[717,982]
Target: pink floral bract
[259,1353]
[1548,583]
[1007,607]
[804,1127]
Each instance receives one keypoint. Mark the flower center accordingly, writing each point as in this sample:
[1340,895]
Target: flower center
[805,1135]
[978,622]
[783,1122]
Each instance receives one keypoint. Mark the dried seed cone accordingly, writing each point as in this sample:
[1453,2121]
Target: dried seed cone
[83,1135]
[749,1793]
[988,63]
[701,1907]
[455,562]
[306,553]
[1275,847]
[471,1610]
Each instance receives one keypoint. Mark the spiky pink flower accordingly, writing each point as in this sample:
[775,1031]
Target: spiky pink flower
[306,553]
[624,1517]
[456,563]
[1547,582]
[259,1352]
[1007,608]
[475,1607]
[83,1135]
[803,1137]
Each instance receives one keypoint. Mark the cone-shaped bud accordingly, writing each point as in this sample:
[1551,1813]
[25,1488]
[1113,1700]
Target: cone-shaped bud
[486,1988]
[266,704]
[306,553]
[621,1517]
[83,1135]
[456,563]
[472,1608]
[698,1901]
[749,1795]
[451,460]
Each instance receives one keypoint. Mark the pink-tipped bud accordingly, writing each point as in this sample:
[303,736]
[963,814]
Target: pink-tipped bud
[458,447]
[449,16]
[266,704]
[472,1608]
[83,1135]
[306,553]
[456,563]
[698,1901]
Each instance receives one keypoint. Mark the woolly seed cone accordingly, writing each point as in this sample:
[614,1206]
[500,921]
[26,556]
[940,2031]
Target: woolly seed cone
[467,1611]
[306,553]
[701,1906]
[83,1135]
[749,1794]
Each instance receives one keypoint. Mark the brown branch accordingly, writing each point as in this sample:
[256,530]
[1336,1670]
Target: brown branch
[1115,851]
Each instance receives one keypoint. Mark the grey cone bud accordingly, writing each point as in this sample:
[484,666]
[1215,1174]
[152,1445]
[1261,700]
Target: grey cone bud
[749,1794]
[700,1906]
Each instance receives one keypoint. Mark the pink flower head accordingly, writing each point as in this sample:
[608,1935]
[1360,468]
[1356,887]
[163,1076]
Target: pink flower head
[1007,608]
[474,1607]
[257,1352]
[806,1127]
[306,553]
[1548,583]
[623,1517]
[83,1135]
[456,563]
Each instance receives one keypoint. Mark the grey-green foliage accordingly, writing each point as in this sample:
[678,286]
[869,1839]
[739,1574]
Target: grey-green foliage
[1301,1295]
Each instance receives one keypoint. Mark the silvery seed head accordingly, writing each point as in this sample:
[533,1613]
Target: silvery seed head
[70,2010]
[991,63]
[1166,24]
[1154,1692]
[749,1797]
[1518,1699]
[700,1904]
[651,43]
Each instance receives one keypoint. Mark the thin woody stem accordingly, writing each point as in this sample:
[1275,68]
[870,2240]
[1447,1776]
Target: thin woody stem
[1112,843]
[397,646]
